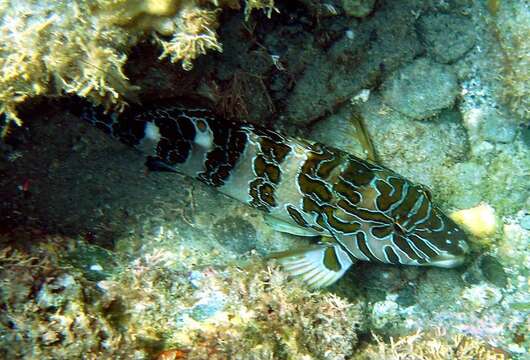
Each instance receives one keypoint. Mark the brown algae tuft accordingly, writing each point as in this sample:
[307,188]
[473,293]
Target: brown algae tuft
[436,345]
[80,47]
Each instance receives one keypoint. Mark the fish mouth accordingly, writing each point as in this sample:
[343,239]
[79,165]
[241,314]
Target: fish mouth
[451,260]
[447,261]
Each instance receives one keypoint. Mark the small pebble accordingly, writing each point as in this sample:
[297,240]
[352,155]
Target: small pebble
[96,267]
[195,278]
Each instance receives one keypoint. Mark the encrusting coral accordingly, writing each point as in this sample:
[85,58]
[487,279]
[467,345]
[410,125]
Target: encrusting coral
[80,46]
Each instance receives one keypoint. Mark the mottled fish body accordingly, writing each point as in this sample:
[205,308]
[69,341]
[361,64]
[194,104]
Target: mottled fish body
[362,210]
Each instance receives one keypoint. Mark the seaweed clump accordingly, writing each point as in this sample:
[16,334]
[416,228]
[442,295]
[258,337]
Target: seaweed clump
[237,314]
[268,317]
[80,46]
[436,345]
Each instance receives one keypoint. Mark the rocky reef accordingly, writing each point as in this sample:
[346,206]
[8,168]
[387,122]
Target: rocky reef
[100,259]
[62,298]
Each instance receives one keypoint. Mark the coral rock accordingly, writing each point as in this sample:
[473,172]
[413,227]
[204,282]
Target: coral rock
[480,221]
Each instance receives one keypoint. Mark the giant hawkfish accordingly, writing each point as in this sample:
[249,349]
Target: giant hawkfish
[360,210]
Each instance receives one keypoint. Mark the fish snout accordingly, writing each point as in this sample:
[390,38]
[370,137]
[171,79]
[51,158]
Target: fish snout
[451,259]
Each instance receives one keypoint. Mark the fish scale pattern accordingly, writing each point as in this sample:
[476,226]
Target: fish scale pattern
[373,213]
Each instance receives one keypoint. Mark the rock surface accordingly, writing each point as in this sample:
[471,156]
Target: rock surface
[446,37]
[421,89]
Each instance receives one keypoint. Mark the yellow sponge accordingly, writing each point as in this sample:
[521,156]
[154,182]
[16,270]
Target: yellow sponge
[480,220]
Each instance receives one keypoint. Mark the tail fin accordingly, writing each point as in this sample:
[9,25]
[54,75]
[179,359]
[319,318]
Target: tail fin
[124,126]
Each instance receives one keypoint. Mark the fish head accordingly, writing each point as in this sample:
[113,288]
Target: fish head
[423,235]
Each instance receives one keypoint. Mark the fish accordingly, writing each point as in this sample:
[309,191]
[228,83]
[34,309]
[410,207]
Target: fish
[360,210]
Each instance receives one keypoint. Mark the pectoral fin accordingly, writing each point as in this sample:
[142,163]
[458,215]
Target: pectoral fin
[318,266]
[285,227]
